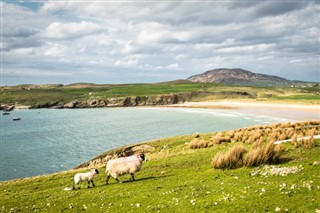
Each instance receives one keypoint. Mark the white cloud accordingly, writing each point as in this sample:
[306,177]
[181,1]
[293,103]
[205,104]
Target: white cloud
[126,62]
[23,51]
[173,66]
[244,49]
[58,30]
[54,49]
[180,56]
[172,39]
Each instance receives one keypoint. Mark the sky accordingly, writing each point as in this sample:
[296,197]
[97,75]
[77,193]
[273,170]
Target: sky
[113,42]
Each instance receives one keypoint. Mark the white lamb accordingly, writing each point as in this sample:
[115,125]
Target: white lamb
[88,176]
[124,165]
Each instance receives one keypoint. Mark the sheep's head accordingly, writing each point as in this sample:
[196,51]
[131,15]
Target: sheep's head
[142,157]
[96,170]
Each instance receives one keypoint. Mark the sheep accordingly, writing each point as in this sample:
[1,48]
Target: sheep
[124,165]
[88,176]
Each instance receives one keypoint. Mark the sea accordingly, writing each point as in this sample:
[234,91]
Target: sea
[46,141]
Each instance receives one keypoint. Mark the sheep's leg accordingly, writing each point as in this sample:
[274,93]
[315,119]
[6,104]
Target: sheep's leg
[118,180]
[92,183]
[132,176]
[108,178]
[75,186]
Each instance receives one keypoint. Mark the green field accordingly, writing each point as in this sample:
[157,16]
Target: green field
[178,179]
[42,95]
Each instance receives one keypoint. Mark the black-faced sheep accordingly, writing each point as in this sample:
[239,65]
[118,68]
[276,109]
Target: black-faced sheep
[124,165]
[88,176]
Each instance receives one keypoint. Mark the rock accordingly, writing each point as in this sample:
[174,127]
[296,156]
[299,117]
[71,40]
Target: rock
[115,102]
[6,107]
[316,163]
[94,103]
[71,104]
[141,100]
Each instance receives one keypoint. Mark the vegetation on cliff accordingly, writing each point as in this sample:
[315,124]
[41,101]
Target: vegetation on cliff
[92,95]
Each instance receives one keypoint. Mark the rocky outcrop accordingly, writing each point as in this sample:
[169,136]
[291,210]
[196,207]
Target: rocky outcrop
[6,107]
[128,101]
[111,102]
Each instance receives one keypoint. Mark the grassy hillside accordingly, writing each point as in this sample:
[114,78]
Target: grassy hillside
[180,178]
[34,95]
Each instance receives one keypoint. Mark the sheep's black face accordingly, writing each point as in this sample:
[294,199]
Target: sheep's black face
[96,171]
[142,157]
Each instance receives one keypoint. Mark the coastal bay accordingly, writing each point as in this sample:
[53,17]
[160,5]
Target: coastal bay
[63,139]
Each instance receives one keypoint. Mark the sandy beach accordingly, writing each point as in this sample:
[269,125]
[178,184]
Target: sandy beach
[297,112]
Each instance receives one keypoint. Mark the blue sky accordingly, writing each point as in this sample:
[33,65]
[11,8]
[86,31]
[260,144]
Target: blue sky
[154,41]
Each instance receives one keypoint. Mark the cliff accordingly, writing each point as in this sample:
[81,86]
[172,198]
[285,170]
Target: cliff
[130,101]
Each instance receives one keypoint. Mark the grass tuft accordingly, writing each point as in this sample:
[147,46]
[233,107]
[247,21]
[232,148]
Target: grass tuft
[230,160]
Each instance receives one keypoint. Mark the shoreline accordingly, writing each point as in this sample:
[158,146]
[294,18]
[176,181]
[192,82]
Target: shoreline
[297,112]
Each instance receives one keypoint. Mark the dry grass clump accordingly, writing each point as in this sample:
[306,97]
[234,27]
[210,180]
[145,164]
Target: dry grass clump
[230,160]
[238,156]
[198,143]
[275,132]
[255,136]
[294,141]
[238,136]
[257,143]
[221,137]
[304,142]
[263,154]
[260,153]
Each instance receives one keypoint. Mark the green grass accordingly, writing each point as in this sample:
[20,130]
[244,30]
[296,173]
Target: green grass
[43,94]
[299,97]
[175,179]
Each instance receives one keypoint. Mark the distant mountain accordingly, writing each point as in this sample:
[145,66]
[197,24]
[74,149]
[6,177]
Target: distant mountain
[238,76]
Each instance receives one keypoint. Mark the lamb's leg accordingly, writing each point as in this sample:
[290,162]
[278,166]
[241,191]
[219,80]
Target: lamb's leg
[88,184]
[132,176]
[92,183]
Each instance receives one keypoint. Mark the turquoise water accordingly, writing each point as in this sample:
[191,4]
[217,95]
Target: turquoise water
[46,140]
